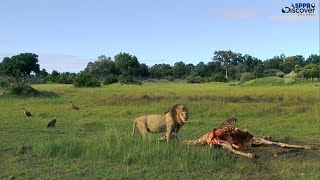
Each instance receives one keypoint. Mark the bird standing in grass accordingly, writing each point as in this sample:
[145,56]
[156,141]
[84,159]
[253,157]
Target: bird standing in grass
[26,113]
[74,107]
[52,123]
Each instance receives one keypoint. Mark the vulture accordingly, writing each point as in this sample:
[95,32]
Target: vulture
[52,123]
[26,113]
[74,107]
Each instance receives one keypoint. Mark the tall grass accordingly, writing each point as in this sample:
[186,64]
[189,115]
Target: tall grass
[96,141]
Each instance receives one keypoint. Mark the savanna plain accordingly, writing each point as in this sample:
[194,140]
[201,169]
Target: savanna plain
[96,143]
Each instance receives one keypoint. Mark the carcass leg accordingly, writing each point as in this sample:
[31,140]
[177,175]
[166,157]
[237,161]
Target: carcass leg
[230,148]
[260,141]
[200,141]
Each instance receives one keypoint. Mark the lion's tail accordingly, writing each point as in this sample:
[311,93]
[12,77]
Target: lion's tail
[134,127]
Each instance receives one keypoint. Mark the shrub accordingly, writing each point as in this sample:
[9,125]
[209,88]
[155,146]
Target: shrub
[292,75]
[280,74]
[310,71]
[169,78]
[246,77]
[22,89]
[270,72]
[218,78]
[85,79]
[127,79]
[6,81]
[196,79]
[110,79]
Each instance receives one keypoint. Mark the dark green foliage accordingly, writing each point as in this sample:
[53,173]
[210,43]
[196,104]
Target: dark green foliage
[127,80]
[20,65]
[22,89]
[246,77]
[169,78]
[126,69]
[160,71]
[101,68]
[275,63]
[218,78]
[85,79]
[227,58]
[180,70]
[280,74]
[270,72]
[290,62]
[6,81]
[62,78]
[196,79]
[310,71]
[127,64]
[110,79]
[313,59]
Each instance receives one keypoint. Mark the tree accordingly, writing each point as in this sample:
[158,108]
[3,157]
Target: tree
[43,73]
[101,68]
[54,76]
[310,71]
[160,71]
[290,62]
[313,58]
[275,63]
[126,64]
[180,70]
[227,58]
[200,69]
[143,70]
[20,65]
[84,79]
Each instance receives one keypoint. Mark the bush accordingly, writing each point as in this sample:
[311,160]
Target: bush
[270,72]
[292,75]
[110,79]
[22,89]
[196,79]
[280,74]
[6,81]
[85,79]
[127,79]
[218,78]
[246,77]
[169,78]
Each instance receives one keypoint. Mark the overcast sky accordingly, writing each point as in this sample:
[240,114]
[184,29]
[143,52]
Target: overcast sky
[67,34]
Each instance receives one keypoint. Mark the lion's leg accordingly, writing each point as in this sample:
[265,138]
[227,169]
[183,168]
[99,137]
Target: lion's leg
[142,129]
[200,141]
[170,127]
[260,141]
[229,147]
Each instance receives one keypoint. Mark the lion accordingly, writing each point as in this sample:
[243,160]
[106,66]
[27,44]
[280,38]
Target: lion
[170,122]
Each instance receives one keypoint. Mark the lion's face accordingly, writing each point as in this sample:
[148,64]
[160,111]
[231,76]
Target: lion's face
[182,113]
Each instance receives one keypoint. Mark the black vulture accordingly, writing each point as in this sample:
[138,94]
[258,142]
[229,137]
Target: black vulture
[26,113]
[74,107]
[52,123]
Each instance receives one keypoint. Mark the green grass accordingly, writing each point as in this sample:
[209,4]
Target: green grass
[96,143]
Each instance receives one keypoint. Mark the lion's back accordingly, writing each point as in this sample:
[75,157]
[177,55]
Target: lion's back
[155,122]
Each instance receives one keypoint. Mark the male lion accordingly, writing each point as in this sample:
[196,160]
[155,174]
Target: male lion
[169,122]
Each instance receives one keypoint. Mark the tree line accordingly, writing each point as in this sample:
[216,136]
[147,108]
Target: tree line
[125,68]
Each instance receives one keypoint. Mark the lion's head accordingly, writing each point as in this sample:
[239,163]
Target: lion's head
[180,113]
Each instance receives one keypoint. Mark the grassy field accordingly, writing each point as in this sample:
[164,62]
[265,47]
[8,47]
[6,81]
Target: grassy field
[96,142]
